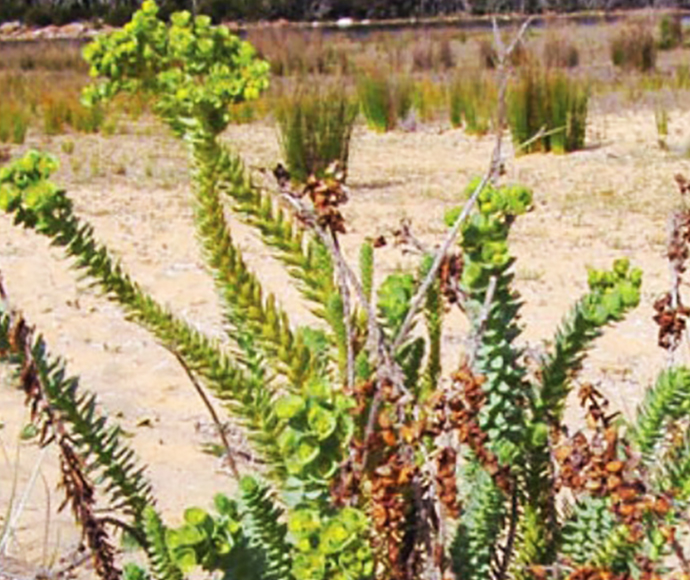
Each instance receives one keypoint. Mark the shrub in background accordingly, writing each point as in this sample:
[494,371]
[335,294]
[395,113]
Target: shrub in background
[433,53]
[559,51]
[670,31]
[300,52]
[42,55]
[472,101]
[634,47]
[315,129]
[446,56]
[548,102]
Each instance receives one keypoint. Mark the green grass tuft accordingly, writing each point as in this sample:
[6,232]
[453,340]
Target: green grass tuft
[315,129]
[670,31]
[550,102]
[472,100]
[376,99]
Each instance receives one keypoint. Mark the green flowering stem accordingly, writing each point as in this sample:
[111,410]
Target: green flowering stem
[36,203]
[247,309]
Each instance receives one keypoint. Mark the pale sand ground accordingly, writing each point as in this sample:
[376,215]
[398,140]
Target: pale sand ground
[590,207]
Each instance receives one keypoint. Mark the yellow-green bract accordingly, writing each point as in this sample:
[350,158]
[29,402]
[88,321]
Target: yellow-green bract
[192,70]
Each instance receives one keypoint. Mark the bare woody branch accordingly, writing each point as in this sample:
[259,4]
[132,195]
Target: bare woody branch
[491,173]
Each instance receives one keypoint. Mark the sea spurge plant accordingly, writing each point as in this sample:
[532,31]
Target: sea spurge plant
[326,452]
[223,542]
[375,460]
[25,183]
[612,293]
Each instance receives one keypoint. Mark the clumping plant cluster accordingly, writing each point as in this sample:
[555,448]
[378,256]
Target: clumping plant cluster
[375,461]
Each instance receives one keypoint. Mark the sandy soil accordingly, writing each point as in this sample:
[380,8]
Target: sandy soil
[592,206]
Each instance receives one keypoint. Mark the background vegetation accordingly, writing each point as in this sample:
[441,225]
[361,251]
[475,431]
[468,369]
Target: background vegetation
[43,12]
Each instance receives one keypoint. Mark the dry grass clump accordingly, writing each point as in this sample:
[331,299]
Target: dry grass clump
[560,52]
[433,53]
[42,55]
[681,76]
[249,112]
[634,48]
[63,109]
[299,52]
[46,100]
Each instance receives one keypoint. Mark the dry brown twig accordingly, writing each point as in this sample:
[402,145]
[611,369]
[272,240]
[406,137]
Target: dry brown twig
[404,238]
[79,490]
[345,273]
[229,455]
[671,315]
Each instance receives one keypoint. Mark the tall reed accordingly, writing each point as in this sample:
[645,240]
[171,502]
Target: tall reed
[472,101]
[551,104]
[429,99]
[376,99]
[63,109]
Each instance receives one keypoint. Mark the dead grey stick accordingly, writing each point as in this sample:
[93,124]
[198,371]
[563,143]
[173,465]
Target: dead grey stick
[375,339]
[674,266]
[418,298]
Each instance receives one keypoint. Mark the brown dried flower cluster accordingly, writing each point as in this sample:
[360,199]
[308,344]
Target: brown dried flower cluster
[672,321]
[449,275]
[390,473]
[602,467]
[327,195]
[456,411]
